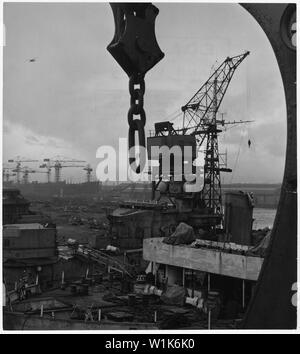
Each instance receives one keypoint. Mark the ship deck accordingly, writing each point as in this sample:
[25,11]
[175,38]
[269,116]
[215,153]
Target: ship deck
[208,260]
[63,310]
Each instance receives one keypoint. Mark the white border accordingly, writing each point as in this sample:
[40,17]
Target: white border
[163,332]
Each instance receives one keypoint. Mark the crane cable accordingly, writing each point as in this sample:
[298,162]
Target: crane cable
[176,116]
[247,117]
[237,158]
[248,99]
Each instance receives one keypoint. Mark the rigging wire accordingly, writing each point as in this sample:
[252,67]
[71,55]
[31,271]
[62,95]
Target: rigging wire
[171,117]
[236,159]
[250,140]
[239,150]
[248,108]
[175,117]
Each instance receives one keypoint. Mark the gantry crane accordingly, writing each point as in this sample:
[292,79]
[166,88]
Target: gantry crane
[18,167]
[201,124]
[88,170]
[58,164]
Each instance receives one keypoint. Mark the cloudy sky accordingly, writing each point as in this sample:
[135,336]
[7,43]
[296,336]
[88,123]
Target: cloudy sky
[74,97]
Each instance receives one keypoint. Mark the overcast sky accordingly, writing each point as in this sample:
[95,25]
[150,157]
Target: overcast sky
[74,97]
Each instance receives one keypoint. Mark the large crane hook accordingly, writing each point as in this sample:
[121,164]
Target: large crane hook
[135,48]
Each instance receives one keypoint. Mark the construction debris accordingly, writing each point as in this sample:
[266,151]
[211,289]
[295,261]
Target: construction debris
[184,234]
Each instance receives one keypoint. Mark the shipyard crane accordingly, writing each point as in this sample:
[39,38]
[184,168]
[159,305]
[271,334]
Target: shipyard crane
[200,118]
[48,172]
[58,164]
[18,167]
[7,174]
[200,122]
[88,170]
[26,171]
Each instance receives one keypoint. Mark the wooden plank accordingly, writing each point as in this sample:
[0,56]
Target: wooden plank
[205,260]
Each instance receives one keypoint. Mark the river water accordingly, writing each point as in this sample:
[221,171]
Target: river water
[263,217]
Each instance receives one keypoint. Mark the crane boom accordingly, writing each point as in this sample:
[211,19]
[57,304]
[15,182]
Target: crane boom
[18,168]
[200,118]
[201,126]
[201,108]
[58,164]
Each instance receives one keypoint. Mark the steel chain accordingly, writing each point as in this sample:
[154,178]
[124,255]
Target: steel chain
[137,109]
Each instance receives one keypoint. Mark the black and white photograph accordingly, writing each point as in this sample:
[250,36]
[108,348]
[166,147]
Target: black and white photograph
[149,170]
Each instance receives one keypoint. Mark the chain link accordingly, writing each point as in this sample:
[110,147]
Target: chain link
[136,109]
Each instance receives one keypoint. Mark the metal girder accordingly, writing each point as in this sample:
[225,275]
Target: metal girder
[207,100]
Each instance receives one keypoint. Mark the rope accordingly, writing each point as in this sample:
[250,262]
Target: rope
[248,93]
[177,115]
[237,158]
[172,116]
